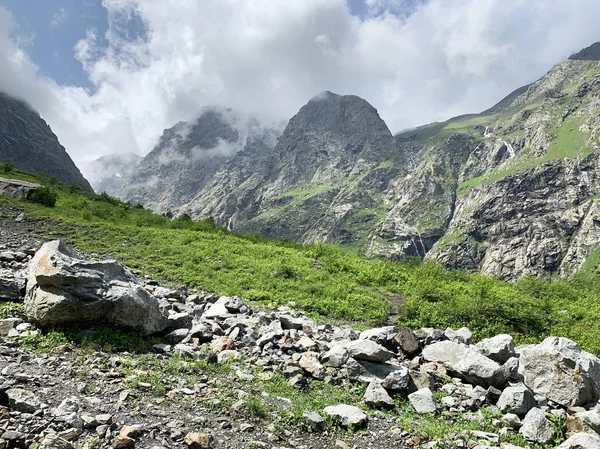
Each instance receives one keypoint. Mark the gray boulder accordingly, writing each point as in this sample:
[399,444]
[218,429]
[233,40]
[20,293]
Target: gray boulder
[337,355]
[63,289]
[363,371]
[462,335]
[517,399]
[23,401]
[581,441]
[466,363]
[537,428]
[397,380]
[561,371]
[377,397]
[423,401]
[16,189]
[11,284]
[368,350]
[315,421]
[407,342]
[346,415]
[499,348]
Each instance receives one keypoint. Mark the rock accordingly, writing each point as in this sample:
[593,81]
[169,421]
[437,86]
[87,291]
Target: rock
[584,421]
[364,371]
[55,442]
[462,335]
[315,422]
[217,310]
[581,441]
[67,412]
[368,350]
[195,440]
[423,401]
[129,431]
[397,380]
[289,322]
[517,399]
[499,348]
[17,189]
[23,401]
[220,344]
[381,335]
[407,342]
[377,397]
[202,331]
[512,421]
[561,371]
[466,363]
[537,428]
[63,289]
[12,283]
[124,443]
[299,382]
[310,363]
[346,415]
[511,370]
[337,355]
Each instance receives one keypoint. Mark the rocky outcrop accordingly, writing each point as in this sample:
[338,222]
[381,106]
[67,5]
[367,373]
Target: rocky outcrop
[29,143]
[64,290]
[17,189]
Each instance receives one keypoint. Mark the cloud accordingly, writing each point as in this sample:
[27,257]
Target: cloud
[59,17]
[416,61]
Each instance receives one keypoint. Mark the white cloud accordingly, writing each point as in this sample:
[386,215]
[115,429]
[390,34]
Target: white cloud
[269,58]
[59,17]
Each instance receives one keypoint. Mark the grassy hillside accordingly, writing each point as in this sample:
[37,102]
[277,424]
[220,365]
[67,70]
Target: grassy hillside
[326,281]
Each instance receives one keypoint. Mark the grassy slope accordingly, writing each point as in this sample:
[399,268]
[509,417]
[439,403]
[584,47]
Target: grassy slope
[324,280]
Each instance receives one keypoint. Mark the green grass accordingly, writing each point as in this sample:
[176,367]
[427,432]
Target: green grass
[592,264]
[327,281]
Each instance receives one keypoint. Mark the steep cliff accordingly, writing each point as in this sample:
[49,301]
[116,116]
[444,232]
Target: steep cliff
[29,143]
[110,173]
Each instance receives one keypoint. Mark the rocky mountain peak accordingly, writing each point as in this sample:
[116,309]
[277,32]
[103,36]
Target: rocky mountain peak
[346,115]
[591,53]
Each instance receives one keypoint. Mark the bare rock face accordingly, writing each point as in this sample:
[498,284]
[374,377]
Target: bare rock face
[63,289]
[29,143]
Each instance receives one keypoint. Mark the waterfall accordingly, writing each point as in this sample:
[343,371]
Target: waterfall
[509,147]
[229,223]
[487,132]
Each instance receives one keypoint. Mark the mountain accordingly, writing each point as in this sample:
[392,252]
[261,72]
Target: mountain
[188,155]
[322,181]
[27,141]
[110,173]
[512,191]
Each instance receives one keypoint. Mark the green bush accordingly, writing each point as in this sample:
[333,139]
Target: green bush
[43,195]
[7,168]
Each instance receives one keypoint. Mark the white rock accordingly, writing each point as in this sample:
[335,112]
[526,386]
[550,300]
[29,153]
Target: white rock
[423,401]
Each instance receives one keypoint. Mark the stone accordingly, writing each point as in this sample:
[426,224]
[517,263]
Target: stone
[512,421]
[289,322]
[346,415]
[407,342]
[124,443]
[129,431]
[314,421]
[423,401]
[11,284]
[55,442]
[16,189]
[462,335]
[67,412]
[561,371]
[227,356]
[397,380]
[368,350]
[363,371]
[220,344]
[309,361]
[63,290]
[466,363]
[510,368]
[499,348]
[537,428]
[381,335]
[23,401]
[581,441]
[517,399]
[377,397]
[194,440]
[217,310]
[202,331]
[584,421]
[337,355]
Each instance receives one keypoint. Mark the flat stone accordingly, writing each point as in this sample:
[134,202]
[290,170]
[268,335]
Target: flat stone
[23,401]
[368,350]
[581,441]
[423,401]
[346,415]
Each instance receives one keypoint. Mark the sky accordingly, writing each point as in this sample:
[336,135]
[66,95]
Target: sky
[109,75]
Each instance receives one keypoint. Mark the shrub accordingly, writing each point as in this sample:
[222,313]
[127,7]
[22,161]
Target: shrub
[43,195]
[7,167]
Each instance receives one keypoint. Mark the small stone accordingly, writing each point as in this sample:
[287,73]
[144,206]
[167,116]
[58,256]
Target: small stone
[55,442]
[124,443]
[23,401]
[346,415]
[407,342]
[537,428]
[315,422]
[462,335]
[220,344]
[517,399]
[129,431]
[195,440]
[377,397]
[423,401]
[581,441]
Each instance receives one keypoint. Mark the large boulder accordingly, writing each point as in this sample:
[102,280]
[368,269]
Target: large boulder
[517,399]
[581,441]
[499,348]
[466,363]
[368,350]
[346,415]
[13,188]
[561,371]
[537,428]
[63,289]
